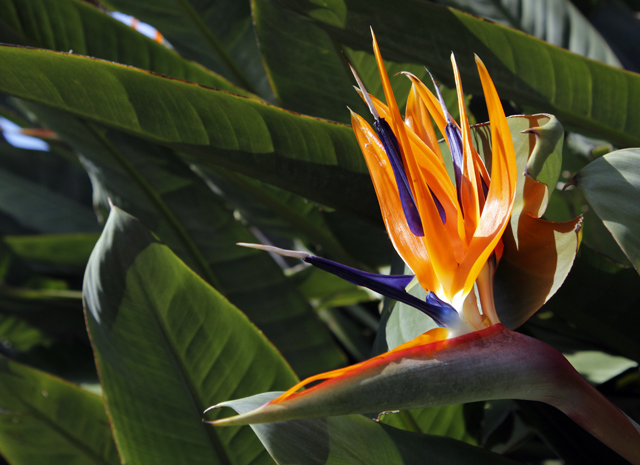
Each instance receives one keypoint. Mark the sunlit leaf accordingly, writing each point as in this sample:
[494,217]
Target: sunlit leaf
[167,346]
[580,92]
[64,25]
[317,159]
[216,33]
[169,197]
[558,22]
[611,184]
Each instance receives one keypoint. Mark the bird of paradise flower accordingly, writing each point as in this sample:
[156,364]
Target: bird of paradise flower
[450,234]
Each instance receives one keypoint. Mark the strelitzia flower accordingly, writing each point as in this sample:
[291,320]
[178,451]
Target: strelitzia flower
[449,232]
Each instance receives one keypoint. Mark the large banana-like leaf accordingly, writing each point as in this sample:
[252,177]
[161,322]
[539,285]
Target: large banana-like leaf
[612,187]
[167,345]
[152,183]
[558,22]
[315,158]
[216,33]
[580,92]
[43,210]
[71,25]
[74,16]
[47,420]
[304,64]
[309,73]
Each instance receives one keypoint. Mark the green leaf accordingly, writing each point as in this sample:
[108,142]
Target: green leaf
[446,421]
[167,196]
[558,22]
[327,290]
[309,73]
[42,210]
[47,420]
[304,65]
[354,439]
[56,249]
[59,171]
[276,211]
[73,25]
[611,184]
[571,202]
[567,202]
[18,335]
[45,192]
[347,332]
[599,367]
[168,346]
[216,33]
[580,92]
[314,158]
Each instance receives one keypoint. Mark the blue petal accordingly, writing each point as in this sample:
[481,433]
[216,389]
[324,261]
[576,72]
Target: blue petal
[455,146]
[454,137]
[392,149]
[390,286]
[441,212]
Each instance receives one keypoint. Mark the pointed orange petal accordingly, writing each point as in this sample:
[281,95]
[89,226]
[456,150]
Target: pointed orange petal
[410,247]
[433,173]
[396,123]
[430,101]
[469,189]
[501,195]
[418,119]
[394,112]
[425,158]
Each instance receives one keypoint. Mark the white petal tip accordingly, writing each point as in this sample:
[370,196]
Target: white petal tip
[213,407]
[363,93]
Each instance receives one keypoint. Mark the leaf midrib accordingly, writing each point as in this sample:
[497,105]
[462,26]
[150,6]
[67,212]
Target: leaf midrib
[38,415]
[214,440]
[215,45]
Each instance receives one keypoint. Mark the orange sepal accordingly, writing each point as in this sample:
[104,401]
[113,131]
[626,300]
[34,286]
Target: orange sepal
[502,189]
[410,247]
[418,119]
